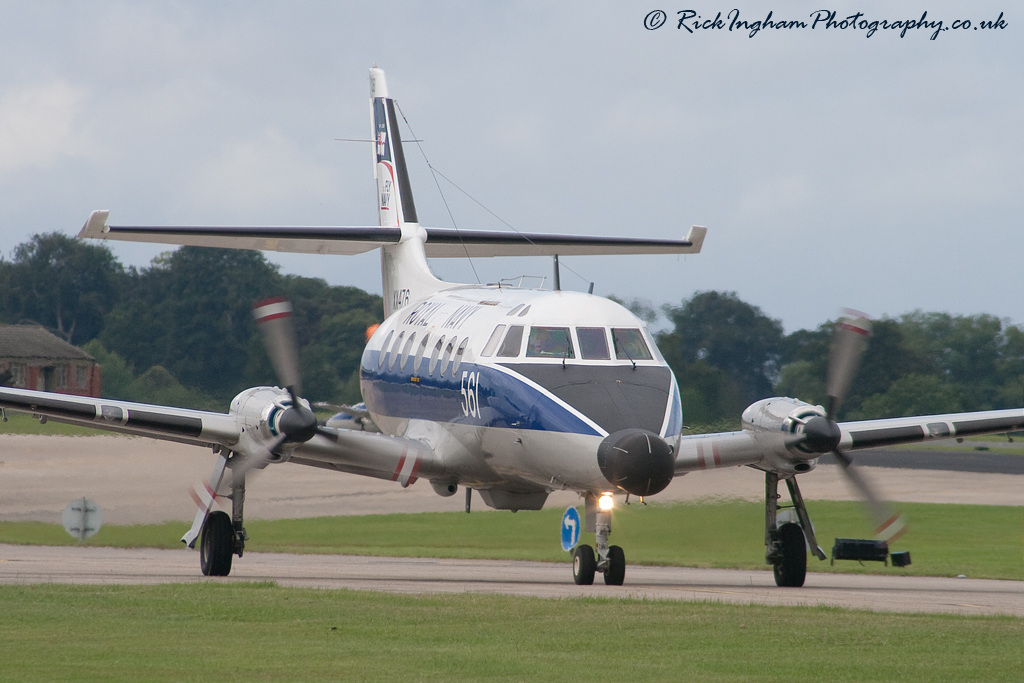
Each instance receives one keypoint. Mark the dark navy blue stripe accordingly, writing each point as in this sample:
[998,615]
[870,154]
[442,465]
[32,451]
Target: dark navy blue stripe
[506,401]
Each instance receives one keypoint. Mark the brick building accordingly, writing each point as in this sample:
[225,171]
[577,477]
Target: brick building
[32,358]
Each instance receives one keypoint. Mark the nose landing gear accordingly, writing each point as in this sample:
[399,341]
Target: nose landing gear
[609,560]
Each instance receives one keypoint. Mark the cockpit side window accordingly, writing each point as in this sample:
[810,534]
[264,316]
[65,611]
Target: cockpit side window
[630,344]
[513,342]
[492,343]
[593,343]
[550,342]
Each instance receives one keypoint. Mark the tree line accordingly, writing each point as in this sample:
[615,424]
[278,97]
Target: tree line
[727,353]
[180,332]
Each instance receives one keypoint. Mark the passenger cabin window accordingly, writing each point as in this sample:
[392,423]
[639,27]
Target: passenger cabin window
[514,310]
[434,354]
[524,311]
[549,342]
[406,352]
[513,342]
[458,357]
[395,348]
[419,354]
[447,357]
[492,343]
[593,343]
[384,350]
[630,344]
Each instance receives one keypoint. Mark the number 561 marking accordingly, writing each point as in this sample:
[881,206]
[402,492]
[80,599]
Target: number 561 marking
[470,394]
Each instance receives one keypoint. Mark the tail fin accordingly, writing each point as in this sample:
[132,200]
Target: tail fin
[395,204]
[406,275]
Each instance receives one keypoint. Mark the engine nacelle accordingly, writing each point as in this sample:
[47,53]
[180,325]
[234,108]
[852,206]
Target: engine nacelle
[259,409]
[785,417]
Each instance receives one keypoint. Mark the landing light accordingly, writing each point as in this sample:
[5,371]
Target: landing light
[606,502]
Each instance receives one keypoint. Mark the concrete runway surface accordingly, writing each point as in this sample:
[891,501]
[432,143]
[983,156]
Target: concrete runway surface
[35,564]
[142,481]
[138,480]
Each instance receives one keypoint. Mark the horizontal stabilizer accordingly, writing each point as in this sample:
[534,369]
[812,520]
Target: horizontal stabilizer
[441,242]
[302,240]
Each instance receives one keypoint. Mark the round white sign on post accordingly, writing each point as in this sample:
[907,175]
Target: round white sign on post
[82,518]
[570,529]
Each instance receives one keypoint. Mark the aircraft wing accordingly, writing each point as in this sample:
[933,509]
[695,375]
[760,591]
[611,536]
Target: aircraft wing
[752,446]
[901,430]
[196,427]
[357,452]
[441,242]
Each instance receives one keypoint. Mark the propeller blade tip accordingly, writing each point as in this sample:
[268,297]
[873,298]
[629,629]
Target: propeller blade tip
[271,309]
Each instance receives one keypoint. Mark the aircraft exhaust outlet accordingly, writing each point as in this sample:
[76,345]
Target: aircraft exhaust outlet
[637,461]
[444,488]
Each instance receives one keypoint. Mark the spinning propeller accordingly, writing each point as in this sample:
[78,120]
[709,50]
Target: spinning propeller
[821,434]
[295,424]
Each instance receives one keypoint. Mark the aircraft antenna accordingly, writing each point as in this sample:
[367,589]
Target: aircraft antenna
[433,175]
[506,223]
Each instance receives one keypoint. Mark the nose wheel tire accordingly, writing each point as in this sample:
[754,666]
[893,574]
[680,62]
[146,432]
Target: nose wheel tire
[217,544]
[583,565]
[615,574]
[791,569]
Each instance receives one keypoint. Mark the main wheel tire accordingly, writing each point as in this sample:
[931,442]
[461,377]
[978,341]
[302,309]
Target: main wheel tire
[217,544]
[791,569]
[615,574]
[583,565]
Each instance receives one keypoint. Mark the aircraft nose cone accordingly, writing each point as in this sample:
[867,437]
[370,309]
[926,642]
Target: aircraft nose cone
[637,461]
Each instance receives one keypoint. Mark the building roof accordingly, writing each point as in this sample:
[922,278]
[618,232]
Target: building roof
[34,342]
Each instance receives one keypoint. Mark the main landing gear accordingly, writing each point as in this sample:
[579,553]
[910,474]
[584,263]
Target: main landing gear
[224,536]
[220,535]
[609,560]
[786,544]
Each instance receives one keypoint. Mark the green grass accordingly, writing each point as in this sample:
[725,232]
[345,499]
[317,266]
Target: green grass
[20,423]
[259,632]
[944,540]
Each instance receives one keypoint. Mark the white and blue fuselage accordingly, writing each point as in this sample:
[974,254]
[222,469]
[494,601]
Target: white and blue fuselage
[516,389]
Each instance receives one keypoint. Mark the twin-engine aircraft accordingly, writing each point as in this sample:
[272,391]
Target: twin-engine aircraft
[511,392]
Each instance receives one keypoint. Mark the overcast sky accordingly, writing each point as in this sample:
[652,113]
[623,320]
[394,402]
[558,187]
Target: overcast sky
[832,169]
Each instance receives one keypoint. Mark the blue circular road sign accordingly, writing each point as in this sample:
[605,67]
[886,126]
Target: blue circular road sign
[570,529]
